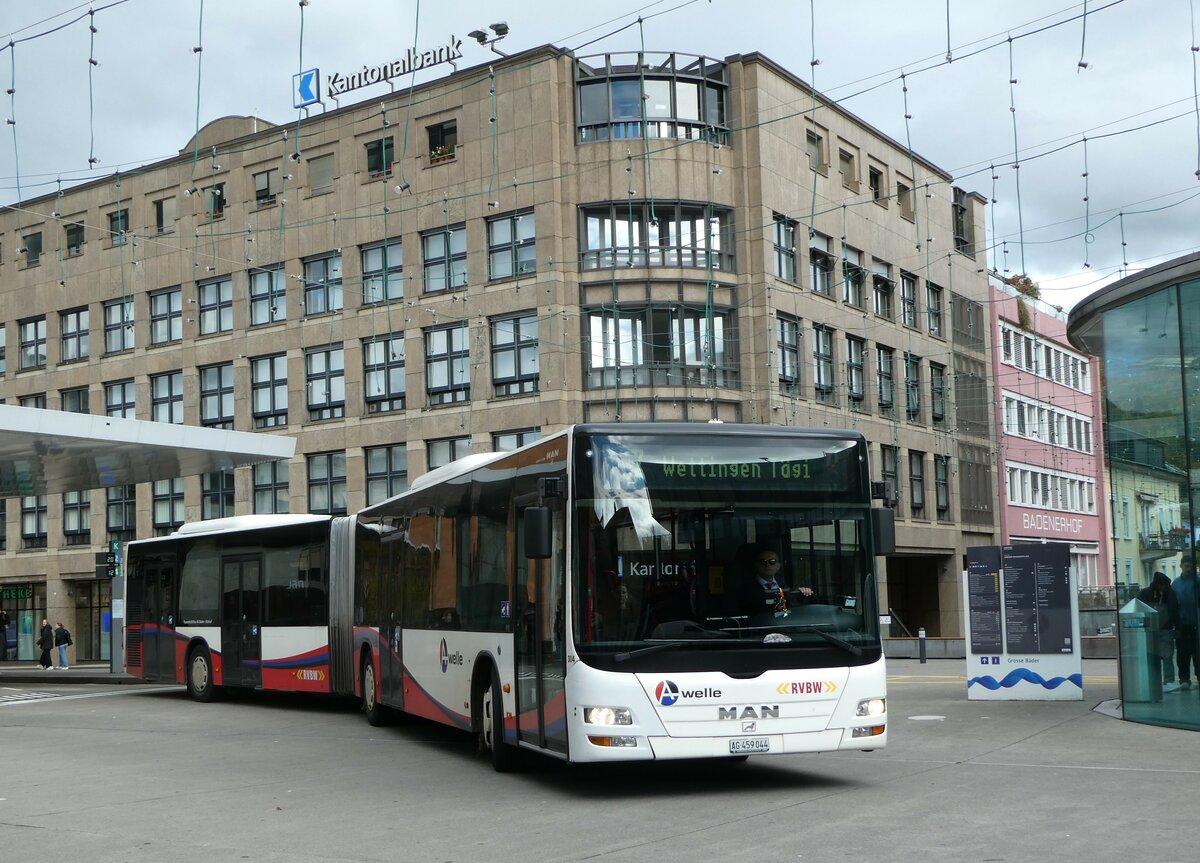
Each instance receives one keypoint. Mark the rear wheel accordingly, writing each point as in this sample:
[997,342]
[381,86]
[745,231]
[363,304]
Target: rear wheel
[372,709]
[200,675]
[504,756]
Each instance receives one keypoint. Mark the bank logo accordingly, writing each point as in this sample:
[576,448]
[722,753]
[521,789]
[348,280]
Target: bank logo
[306,88]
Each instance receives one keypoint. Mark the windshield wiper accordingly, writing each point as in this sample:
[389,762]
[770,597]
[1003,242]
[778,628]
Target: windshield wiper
[845,645]
[673,627]
[647,650]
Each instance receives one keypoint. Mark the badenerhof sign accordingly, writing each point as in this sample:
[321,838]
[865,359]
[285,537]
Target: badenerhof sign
[412,61]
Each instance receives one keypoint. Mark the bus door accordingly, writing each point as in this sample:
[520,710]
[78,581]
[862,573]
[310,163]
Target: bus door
[241,632]
[391,656]
[158,633]
[539,632]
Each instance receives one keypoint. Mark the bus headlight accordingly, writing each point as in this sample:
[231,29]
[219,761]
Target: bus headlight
[607,716]
[871,707]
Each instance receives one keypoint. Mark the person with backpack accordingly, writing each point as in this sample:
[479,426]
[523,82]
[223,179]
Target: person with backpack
[62,640]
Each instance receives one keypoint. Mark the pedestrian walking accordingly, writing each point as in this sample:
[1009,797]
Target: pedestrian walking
[62,640]
[45,643]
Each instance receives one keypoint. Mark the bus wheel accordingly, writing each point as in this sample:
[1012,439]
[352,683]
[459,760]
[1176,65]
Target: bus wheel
[373,710]
[200,675]
[504,757]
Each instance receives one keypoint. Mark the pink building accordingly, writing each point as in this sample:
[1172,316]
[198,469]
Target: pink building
[1049,442]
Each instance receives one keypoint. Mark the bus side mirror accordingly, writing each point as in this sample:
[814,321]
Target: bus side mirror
[883,526]
[538,537]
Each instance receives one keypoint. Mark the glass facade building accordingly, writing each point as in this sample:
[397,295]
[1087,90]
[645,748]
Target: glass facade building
[1146,331]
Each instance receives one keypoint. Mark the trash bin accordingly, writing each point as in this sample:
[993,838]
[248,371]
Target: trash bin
[1139,666]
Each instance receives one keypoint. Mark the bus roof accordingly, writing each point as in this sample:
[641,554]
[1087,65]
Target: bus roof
[236,523]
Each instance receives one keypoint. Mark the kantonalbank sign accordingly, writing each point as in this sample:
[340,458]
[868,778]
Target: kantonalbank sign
[412,61]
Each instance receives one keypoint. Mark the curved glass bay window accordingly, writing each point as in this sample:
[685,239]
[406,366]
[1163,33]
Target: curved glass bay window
[620,96]
[668,345]
[665,234]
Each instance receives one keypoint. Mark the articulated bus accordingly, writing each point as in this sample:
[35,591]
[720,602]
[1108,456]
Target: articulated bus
[584,596]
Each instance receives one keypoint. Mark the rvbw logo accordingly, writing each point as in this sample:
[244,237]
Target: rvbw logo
[447,658]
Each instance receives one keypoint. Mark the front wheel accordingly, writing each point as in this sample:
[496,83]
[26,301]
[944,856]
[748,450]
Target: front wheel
[372,709]
[504,756]
[200,676]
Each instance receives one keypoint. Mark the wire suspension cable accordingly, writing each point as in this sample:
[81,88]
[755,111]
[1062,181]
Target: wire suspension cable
[1012,108]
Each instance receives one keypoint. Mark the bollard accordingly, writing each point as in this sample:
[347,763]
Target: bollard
[921,644]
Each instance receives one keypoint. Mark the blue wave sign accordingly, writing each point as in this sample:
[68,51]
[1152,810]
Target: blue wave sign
[306,88]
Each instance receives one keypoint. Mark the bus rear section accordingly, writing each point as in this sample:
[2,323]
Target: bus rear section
[236,602]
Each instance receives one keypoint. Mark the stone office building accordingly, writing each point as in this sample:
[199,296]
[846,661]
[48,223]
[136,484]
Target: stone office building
[549,240]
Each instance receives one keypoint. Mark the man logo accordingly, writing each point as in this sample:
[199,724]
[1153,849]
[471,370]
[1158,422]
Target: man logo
[666,693]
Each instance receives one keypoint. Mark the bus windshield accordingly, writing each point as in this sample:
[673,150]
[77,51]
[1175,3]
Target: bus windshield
[721,544]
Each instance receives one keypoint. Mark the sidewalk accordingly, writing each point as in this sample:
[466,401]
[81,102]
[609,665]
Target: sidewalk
[88,672]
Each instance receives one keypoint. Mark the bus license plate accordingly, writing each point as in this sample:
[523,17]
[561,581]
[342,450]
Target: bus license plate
[748,745]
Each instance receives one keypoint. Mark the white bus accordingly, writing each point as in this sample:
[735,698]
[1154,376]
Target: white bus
[612,592]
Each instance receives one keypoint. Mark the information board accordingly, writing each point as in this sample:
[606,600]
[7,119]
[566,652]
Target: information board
[983,599]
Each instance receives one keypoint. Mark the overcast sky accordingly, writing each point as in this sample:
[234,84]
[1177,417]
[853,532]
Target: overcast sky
[1134,103]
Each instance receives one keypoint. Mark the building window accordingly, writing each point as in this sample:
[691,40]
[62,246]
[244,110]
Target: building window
[381,153]
[320,174]
[3,349]
[74,240]
[34,521]
[875,180]
[214,201]
[881,289]
[941,484]
[34,400]
[815,145]
[164,215]
[77,517]
[118,326]
[442,452]
[216,306]
[73,326]
[511,440]
[933,308]
[443,141]
[511,246]
[904,197]
[327,483]
[383,373]
[785,248]
[444,258]
[447,365]
[387,472]
[268,299]
[75,400]
[662,234]
[167,505]
[216,396]
[383,272]
[118,399]
[323,284]
[268,391]
[964,229]
[912,387]
[666,99]
[856,350]
[515,355]
[166,398]
[120,506]
[31,247]
[823,361]
[325,382]
[908,300]
[32,332]
[216,494]
[853,277]
[166,316]
[271,487]
[661,346]
[266,188]
[916,482]
[848,168]
[884,368]
[889,472]
[937,392]
[820,265]
[118,226]
[787,347]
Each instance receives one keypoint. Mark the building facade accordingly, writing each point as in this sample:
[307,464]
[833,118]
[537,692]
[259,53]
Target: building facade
[513,248]
[1146,331]
[1048,435]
